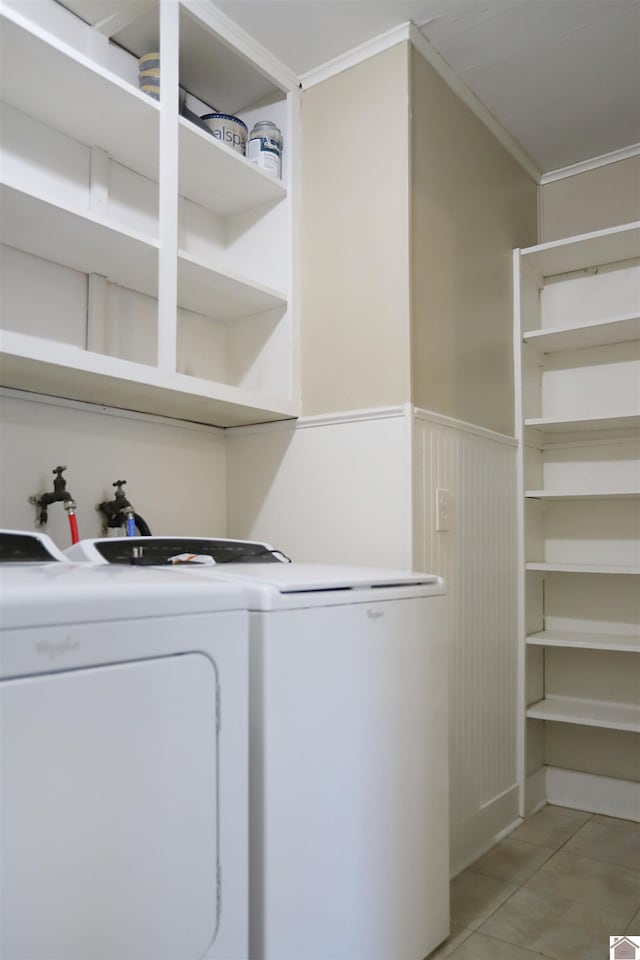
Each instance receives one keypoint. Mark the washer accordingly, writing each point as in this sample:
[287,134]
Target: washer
[349,762]
[349,753]
[123,708]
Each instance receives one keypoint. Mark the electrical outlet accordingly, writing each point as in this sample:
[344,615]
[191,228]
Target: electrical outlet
[442,510]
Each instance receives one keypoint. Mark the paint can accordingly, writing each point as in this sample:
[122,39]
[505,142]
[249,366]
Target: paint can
[228,129]
[265,147]
[149,74]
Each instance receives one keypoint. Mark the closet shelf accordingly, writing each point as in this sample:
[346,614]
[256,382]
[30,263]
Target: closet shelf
[223,296]
[58,369]
[216,177]
[582,494]
[583,568]
[597,334]
[585,641]
[583,423]
[587,250]
[78,239]
[57,85]
[590,713]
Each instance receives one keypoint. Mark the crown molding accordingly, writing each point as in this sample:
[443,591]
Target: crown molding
[459,87]
[633,150]
[356,55]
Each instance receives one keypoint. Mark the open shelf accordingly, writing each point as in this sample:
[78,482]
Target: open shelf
[50,81]
[587,250]
[597,334]
[583,424]
[56,369]
[582,495]
[618,643]
[220,295]
[583,567]
[218,178]
[591,713]
[78,240]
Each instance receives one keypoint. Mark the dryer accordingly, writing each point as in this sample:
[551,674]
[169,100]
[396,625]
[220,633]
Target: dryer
[349,847]
[124,753]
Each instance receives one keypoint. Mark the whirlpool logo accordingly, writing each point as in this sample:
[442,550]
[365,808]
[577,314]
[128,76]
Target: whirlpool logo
[55,650]
[374,615]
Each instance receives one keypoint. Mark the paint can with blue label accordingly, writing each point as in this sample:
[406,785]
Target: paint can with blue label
[265,147]
[149,74]
[228,129]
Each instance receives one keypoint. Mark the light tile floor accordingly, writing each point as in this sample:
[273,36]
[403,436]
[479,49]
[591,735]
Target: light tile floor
[558,887]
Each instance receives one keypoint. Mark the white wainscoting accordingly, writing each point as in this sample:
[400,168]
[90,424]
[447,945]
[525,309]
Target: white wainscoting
[477,557]
[360,488]
[333,489]
[175,471]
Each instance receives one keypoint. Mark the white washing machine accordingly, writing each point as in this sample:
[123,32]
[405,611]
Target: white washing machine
[124,762]
[349,753]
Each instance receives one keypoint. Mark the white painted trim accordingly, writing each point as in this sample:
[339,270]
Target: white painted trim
[586,791]
[409,477]
[459,87]
[483,828]
[9,392]
[355,56]
[633,150]
[616,436]
[445,421]
[322,420]
[521,761]
[535,792]
[409,32]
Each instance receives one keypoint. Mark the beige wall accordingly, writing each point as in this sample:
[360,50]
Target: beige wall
[175,472]
[355,237]
[471,204]
[594,200]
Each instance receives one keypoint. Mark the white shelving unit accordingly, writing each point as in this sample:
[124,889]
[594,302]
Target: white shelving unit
[187,249]
[589,713]
[577,375]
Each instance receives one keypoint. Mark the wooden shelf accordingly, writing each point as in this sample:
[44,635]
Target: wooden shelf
[585,641]
[218,178]
[582,495]
[587,250]
[50,81]
[219,295]
[583,567]
[591,713]
[583,424]
[78,240]
[598,334]
[57,369]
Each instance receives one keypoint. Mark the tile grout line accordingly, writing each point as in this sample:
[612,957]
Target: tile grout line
[519,887]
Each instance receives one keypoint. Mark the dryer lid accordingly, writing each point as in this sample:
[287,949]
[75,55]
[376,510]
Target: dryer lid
[24,546]
[57,593]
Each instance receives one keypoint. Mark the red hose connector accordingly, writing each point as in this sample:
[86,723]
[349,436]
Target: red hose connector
[70,507]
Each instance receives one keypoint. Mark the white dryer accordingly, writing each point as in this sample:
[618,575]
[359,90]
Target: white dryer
[124,762]
[349,753]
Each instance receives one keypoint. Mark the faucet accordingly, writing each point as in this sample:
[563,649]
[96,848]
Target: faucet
[59,494]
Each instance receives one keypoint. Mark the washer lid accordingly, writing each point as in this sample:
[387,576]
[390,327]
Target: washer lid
[299,577]
[57,593]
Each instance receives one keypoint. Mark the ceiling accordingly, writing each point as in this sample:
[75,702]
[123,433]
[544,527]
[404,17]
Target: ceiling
[561,76]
